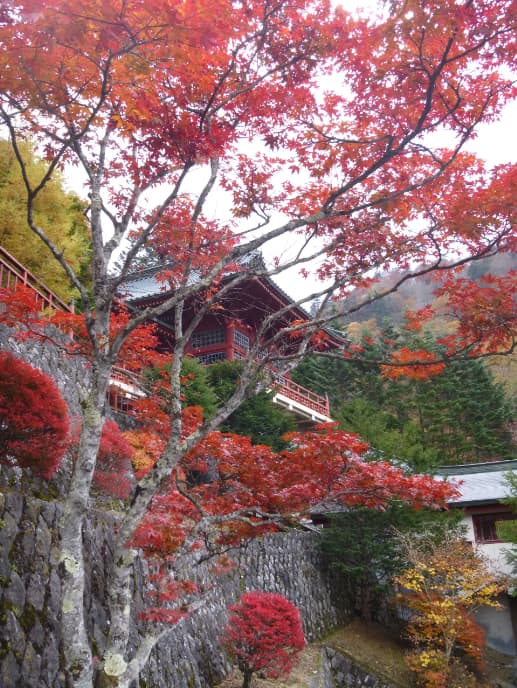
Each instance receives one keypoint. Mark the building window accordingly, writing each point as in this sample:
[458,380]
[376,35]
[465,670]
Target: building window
[120,402]
[212,357]
[242,341]
[485,525]
[200,340]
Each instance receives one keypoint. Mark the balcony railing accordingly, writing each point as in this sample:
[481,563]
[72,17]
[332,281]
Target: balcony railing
[127,386]
[14,275]
[302,396]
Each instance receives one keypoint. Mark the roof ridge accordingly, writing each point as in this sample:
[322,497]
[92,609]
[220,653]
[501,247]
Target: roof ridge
[483,467]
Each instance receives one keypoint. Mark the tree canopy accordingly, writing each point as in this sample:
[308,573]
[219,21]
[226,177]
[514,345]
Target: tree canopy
[257,417]
[33,418]
[461,415]
[264,634]
[301,123]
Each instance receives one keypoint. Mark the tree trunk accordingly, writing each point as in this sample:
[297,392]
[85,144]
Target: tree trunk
[246,678]
[114,671]
[76,645]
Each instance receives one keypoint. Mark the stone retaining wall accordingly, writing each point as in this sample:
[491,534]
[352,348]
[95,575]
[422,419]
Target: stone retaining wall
[190,656]
[69,372]
[30,588]
[338,671]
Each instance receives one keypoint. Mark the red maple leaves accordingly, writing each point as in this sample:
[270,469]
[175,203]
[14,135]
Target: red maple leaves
[33,418]
[227,489]
[264,634]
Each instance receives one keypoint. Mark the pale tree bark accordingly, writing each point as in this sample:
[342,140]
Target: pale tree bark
[118,670]
[76,643]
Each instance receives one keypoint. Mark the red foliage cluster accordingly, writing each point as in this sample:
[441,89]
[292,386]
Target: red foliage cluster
[113,470]
[166,591]
[33,417]
[486,313]
[264,634]
[23,307]
[256,482]
[417,365]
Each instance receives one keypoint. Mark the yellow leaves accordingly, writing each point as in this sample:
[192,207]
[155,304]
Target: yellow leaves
[443,586]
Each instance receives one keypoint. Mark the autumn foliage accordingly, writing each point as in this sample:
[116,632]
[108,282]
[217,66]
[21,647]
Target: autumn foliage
[227,489]
[443,586]
[33,418]
[264,634]
[313,123]
[113,475]
[113,472]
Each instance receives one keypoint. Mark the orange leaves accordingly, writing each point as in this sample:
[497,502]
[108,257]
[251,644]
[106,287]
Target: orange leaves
[444,585]
[328,465]
[228,478]
[486,313]
[196,246]
[179,84]
[147,448]
[416,364]
[139,348]
[415,320]
[25,311]
[21,306]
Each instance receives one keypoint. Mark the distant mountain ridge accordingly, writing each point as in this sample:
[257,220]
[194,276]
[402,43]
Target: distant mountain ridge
[415,293]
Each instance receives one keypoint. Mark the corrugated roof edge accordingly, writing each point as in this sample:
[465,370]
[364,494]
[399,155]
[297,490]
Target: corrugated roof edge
[486,467]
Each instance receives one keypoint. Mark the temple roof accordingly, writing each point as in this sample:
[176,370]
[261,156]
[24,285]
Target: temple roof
[143,285]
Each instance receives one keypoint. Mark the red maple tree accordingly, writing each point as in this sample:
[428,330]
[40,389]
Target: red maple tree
[316,125]
[33,418]
[264,634]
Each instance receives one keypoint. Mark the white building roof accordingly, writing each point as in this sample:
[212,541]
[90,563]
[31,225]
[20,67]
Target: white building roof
[483,483]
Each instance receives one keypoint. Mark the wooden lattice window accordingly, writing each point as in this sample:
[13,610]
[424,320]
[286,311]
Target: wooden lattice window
[485,529]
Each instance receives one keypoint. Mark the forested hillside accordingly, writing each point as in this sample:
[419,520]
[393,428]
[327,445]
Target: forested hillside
[465,414]
[415,293]
[59,212]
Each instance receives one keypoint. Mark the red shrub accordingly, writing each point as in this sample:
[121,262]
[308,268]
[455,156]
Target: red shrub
[33,417]
[264,634]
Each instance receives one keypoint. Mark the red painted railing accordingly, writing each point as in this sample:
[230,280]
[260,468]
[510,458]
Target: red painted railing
[126,377]
[13,275]
[121,398]
[126,386]
[303,396]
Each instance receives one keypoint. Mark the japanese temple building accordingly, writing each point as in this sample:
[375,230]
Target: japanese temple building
[229,331]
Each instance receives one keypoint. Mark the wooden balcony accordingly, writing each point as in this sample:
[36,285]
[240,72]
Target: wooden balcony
[126,386]
[302,402]
[14,275]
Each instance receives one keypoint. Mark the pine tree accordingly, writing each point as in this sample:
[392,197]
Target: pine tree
[258,417]
[460,416]
[362,547]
